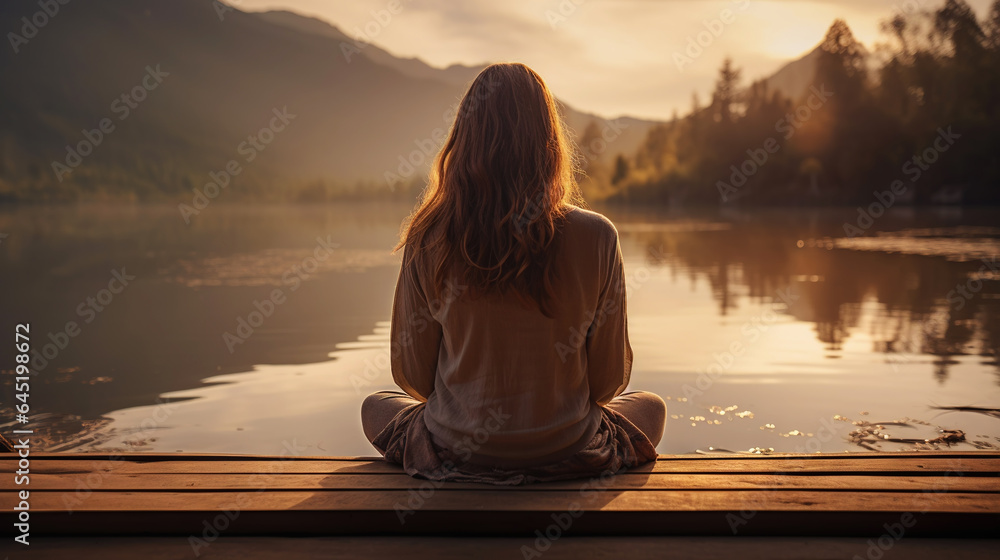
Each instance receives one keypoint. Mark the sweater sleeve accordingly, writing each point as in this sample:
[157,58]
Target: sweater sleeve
[609,354]
[415,336]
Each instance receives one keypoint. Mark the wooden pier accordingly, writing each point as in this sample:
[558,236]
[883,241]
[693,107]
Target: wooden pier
[208,497]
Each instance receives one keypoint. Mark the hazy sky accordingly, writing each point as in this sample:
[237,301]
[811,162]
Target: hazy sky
[610,57]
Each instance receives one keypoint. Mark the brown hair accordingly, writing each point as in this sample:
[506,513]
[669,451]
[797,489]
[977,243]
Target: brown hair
[498,189]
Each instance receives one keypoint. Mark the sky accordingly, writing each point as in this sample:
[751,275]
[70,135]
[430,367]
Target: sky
[642,58]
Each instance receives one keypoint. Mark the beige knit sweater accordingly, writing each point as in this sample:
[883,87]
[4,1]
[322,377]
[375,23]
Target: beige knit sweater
[503,383]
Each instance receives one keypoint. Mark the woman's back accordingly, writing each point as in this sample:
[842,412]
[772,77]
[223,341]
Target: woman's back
[509,332]
[509,385]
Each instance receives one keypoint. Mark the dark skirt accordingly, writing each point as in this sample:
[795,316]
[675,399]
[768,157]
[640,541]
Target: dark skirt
[617,445]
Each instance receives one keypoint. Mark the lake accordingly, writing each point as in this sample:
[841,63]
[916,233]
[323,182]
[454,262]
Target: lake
[259,329]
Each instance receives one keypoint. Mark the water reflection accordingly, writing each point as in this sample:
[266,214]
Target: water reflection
[936,290]
[192,284]
[813,336]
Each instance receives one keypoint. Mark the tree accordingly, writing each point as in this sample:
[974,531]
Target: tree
[940,77]
[621,170]
[841,64]
[991,27]
[726,92]
[956,23]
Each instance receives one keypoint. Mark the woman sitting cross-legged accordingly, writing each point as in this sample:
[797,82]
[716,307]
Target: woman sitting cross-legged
[509,332]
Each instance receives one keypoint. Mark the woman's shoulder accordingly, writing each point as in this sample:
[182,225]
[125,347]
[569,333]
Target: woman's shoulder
[592,222]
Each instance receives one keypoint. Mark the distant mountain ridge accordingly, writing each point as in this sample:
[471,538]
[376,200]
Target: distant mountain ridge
[794,78]
[628,132]
[354,122]
[456,74]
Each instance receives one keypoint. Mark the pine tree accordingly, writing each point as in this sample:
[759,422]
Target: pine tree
[726,91]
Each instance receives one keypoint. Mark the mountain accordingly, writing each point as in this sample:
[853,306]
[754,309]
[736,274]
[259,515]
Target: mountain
[355,124]
[629,132]
[456,74]
[793,79]
[224,79]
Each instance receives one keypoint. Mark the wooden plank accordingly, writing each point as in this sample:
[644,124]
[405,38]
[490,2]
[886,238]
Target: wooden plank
[190,525]
[628,481]
[913,465]
[522,513]
[219,467]
[711,457]
[504,548]
[661,457]
[151,456]
[480,500]
[949,493]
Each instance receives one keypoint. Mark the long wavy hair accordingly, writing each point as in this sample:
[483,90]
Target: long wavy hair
[498,190]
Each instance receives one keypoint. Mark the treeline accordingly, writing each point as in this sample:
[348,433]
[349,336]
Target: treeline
[154,178]
[919,118]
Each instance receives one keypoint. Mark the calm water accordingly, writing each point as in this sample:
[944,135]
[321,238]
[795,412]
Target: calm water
[260,330]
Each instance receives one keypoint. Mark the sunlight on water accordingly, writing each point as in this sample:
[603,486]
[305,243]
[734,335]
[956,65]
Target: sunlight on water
[764,332]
